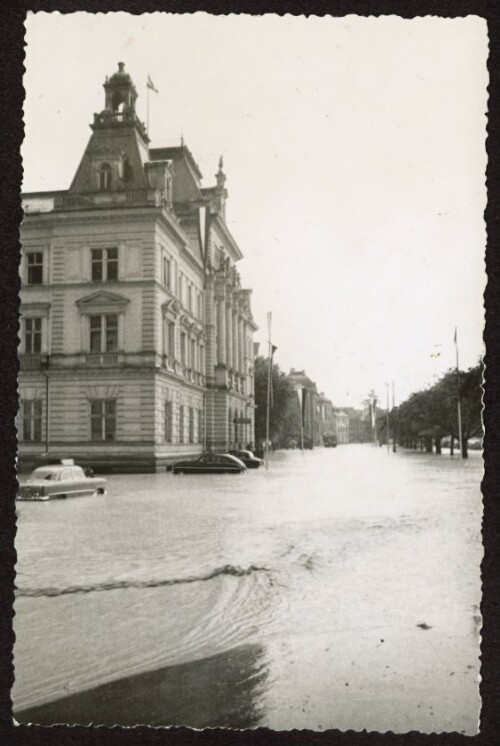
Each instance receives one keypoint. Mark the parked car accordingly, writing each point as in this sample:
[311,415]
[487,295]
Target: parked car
[60,481]
[330,441]
[249,459]
[54,461]
[210,463]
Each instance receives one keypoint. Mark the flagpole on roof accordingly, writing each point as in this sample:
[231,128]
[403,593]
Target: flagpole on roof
[150,86]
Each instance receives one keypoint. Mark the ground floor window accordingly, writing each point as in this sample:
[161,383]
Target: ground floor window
[191,425]
[103,419]
[168,422]
[31,413]
[181,424]
[200,426]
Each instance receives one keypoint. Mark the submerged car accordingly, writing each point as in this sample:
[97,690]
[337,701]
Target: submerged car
[210,463]
[51,482]
[249,459]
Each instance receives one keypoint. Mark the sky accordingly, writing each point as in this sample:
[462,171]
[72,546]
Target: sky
[354,150]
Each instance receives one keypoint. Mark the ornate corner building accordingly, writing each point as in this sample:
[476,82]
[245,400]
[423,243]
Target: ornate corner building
[136,335]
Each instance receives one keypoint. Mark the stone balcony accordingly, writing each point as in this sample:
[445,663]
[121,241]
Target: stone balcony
[33,361]
[109,199]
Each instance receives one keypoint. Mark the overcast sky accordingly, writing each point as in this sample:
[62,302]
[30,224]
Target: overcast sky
[354,150]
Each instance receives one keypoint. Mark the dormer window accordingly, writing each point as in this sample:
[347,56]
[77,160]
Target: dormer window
[104,174]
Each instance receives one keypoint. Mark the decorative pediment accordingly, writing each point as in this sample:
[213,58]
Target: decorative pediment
[171,308]
[186,321]
[102,301]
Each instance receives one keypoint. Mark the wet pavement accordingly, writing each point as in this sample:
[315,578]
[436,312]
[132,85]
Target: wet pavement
[338,589]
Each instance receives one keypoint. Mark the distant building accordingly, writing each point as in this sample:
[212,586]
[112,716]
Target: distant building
[341,426]
[359,425]
[309,399]
[136,335]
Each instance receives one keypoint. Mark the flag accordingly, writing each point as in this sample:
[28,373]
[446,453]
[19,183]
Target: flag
[151,85]
[304,397]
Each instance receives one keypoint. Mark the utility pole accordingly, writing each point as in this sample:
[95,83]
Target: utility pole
[269,373]
[387,416]
[459,407]
[394,433]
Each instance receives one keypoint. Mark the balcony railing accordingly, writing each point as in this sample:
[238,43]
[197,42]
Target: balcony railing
[102,358]
[108,199]
[33,362]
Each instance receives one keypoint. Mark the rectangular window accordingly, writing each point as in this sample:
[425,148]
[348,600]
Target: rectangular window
[191,425]
[171,339]
[190,299]
[181,424]
[34,261]
[33,335]
[193,354]
[183,348]
[104,264]
[104,333]
[103,419]
[200,426]
[199,305]
[31,420]
[173,279]
[166,272]
[168,422]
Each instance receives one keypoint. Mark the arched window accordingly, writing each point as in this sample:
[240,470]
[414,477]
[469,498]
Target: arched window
[104,174]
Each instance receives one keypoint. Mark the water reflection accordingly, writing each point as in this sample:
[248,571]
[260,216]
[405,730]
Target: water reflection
[224,690]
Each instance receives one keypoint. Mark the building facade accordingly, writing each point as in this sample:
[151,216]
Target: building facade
[341,426]
[310,402]
[136,334]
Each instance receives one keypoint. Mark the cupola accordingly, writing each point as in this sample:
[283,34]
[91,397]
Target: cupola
[120,91]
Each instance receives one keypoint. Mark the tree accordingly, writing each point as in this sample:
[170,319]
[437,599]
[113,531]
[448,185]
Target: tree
[283,392]
[432,414]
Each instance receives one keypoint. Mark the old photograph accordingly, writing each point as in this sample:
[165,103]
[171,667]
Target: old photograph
[250,372]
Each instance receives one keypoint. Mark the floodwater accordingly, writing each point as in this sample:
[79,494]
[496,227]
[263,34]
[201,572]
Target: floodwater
[338,589]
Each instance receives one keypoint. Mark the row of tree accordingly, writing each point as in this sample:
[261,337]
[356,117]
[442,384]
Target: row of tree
[428,417]
[282,394]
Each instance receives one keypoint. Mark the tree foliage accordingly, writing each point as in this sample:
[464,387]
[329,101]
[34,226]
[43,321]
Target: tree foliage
[282,393]
[432,414]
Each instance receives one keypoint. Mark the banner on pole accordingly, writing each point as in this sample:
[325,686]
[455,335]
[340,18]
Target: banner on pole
[304,398]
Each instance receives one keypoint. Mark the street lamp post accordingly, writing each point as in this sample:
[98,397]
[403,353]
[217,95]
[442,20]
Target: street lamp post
[387,416]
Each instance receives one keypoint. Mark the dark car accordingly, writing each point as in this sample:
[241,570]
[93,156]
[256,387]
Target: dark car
[330,441]
[210,463]
[248,458]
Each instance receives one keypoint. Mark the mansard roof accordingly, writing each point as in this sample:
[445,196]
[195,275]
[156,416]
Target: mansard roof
[176,153]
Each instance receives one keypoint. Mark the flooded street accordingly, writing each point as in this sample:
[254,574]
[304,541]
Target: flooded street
[338,589]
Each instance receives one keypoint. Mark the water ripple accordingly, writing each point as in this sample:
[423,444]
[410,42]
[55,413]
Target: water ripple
[113,585]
